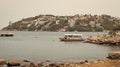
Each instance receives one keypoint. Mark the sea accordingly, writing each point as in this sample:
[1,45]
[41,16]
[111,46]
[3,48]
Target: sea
[47,46]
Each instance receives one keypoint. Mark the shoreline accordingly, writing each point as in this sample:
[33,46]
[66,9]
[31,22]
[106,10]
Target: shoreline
[49,63]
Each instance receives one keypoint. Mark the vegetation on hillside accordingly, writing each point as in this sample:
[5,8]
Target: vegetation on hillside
[67,23]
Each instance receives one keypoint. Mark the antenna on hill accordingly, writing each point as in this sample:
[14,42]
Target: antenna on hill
[10,24]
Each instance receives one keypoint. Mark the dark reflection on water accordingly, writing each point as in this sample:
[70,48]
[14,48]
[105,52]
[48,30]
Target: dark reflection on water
[46,46]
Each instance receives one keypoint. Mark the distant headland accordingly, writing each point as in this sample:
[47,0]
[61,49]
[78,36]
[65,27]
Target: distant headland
[79,23]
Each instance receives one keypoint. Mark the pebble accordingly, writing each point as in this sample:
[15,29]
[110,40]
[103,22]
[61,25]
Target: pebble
[2,61]
[14,63]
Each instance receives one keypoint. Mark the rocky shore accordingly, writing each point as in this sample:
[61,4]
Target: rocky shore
[110,40]
[26,63]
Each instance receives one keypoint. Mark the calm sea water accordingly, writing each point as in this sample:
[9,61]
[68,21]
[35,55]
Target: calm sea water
[47,46]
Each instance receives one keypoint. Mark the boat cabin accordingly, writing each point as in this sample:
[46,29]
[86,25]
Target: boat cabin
[72,37]
[75,36]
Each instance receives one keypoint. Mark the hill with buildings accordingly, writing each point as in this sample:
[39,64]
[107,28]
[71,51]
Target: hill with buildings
[77,22]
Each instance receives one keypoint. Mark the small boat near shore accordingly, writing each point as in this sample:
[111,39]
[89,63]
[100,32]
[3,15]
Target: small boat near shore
[72,37]
[6,34]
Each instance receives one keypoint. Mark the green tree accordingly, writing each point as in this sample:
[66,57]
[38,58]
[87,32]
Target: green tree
[112,33]
[114,30]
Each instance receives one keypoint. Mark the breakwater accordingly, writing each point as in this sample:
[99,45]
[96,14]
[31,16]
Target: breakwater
[110,40]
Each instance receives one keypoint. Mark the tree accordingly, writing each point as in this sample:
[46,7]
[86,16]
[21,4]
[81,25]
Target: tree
[114,30]
[112,33]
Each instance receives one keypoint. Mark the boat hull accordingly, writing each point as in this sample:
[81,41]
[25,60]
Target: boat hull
[6,35]
[63,39]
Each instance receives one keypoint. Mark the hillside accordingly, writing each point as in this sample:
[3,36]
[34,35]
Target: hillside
[65,23]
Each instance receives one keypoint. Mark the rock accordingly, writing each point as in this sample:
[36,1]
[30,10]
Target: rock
[52,65]
[86,61]
[95,61]
[2,61]
[82,62]
[101,61]
[71,65]
[14,63]
[114,55]
[3,66]
[61,65]
[39,65]
[47,60]
[26,61]
[32,64]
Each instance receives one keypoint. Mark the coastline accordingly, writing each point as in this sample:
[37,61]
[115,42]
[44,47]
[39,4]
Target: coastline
[48,63]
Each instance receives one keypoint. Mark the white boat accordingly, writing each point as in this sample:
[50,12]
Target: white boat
[72,37]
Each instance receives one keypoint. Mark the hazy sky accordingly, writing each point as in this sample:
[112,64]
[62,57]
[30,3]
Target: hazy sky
[14,10]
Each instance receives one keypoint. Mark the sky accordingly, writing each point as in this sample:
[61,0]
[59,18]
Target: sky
[14,10]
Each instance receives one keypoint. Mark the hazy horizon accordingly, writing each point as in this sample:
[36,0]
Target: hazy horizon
[14,10]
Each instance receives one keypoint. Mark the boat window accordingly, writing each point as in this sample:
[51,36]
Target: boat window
[73,36]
